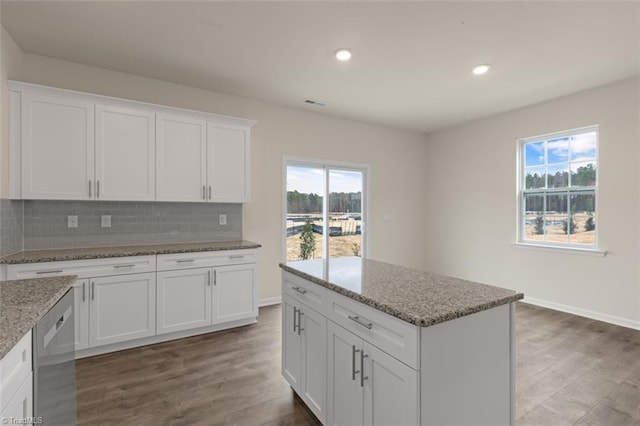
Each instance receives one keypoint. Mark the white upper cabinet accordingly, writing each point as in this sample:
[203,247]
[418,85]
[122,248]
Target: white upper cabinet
[125,154]
[57,147]
[227,163]
[76,146]
[181,158]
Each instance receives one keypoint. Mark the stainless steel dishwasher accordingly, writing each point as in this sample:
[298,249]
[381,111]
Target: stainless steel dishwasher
[54,398]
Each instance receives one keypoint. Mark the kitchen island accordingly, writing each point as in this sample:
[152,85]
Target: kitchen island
[366,342]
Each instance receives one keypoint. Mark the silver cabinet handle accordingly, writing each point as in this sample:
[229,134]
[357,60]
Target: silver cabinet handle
[83,290]
[237,256]
[354,351]
[300,313]
[209,192]
[215,277]
[124,266]
[185,260]
[209,277]
[57,271]
[204,197]
[299,290]
[89,188]
[357,320]
[97,189]
[93,290]
[295,315]
[362,377]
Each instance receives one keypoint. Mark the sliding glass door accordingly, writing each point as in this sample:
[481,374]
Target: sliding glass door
[318,226]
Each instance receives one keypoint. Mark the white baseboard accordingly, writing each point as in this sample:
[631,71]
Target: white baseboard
[270,301]
[612,319]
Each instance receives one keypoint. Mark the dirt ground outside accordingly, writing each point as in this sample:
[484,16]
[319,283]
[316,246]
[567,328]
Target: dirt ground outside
[346,245]
[555,233]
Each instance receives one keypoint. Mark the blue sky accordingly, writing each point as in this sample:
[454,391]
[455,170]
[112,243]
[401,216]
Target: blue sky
[310,180]
[583,147]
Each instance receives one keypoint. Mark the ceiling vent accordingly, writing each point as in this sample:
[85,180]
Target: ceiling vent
[316,103]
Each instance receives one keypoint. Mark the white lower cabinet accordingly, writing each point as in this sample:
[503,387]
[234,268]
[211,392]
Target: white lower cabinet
[122,307]
[20,407]
[81,314]
[234,293]
[367,386]
[304,362]
[184,299]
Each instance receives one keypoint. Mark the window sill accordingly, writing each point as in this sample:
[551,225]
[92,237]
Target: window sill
[574,250]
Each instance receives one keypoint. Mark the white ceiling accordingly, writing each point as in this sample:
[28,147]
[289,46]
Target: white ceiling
[411,65]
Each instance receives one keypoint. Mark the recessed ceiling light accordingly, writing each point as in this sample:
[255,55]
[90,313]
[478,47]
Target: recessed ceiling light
[481,69]
[343,54]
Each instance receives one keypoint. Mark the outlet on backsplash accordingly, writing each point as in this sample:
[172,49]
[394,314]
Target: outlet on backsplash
[106,221]
[72,221]
[222,219]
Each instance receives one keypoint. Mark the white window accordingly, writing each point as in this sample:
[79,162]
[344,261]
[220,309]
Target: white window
[317,226]
[558,189]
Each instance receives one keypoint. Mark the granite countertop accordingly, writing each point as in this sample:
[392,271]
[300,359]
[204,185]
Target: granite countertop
[418,297]
[35,256]
[24,302]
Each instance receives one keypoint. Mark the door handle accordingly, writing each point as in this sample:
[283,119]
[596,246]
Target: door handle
[357,320]
[362,377]
[89,188]
[209,192]
[300,313]
[83,290]
[295,315]
[97,189]
[354,351]
[209,277]
[204,197]
[185,260]
[215,277]
[57,271]
[124,266]
[299,290]
[93,290]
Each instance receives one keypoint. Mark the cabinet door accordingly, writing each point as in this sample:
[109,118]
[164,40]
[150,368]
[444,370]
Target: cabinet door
[184,299]
[314,361]
[81,314]
[122,308]
[57,147]
[20,406]
[181,158]
[391,390]
[344,390]
[125,154]
[227,163]
[234,293]
[291,343]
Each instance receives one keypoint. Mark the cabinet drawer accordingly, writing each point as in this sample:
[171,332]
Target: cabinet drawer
[15,367]
[172,262]
[312,295]
[89,268]
[394,336]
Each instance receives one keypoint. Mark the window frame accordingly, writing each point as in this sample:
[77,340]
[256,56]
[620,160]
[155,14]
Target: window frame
[568,190]
[327,166]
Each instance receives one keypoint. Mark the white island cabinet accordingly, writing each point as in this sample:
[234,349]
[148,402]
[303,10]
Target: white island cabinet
[418,349]
[16,382]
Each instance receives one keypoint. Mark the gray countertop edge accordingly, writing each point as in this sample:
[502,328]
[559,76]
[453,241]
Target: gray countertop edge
[418,321]
[122,251]
[7,342]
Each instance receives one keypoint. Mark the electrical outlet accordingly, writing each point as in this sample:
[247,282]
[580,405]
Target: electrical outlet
[106,221]
[222,219]
[72,221]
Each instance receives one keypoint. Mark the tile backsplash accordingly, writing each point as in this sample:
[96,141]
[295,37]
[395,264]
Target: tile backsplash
[45,223]
[11,236]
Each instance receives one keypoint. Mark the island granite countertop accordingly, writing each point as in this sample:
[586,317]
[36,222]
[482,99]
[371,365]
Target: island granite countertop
[36,256]
[417,297]
[24,302]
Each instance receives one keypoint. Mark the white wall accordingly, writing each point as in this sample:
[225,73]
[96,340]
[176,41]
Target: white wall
[396,158]
[471,185]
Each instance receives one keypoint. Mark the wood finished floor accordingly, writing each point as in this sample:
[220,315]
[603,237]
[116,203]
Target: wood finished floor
[570,370]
